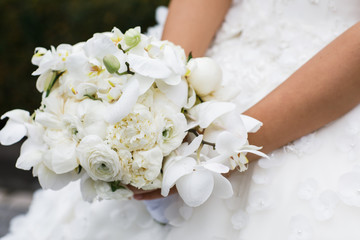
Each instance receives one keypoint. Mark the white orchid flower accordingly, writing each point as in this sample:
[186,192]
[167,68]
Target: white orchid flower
[51,180]
[15,128]
[32,150]
[205,113]
[167,66]
[53,59]
[18,126]
[125,104]
[194,180]
[235,147]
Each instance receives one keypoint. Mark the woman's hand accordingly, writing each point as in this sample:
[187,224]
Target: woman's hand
[140,194]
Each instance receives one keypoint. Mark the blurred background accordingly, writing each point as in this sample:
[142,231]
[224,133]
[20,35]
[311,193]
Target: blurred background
[25,25]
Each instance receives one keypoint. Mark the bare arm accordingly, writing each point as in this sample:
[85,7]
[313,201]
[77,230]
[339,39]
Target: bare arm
[322,90]
[192,24]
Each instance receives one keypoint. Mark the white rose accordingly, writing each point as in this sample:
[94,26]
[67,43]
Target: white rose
[205,75]
[98,159]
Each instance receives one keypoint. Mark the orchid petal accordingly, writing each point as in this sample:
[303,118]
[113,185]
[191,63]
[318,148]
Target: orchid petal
[31,155]
[50,180]
[193,146]
[196,187]
[176,171]
[251,124]
[222,187]
[148,67]
[144,83]
[124,105]
[98,47]
[174,61]
[17,115]
[173,80]
[177,94]
[12,132]
[205,113]
[232,122]
[228,143]
[191,98]
[216,167]
[261,154]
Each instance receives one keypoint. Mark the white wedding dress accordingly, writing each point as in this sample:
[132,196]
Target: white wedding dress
[309,189]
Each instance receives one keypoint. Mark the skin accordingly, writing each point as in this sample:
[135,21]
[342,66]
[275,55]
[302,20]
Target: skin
[322,90]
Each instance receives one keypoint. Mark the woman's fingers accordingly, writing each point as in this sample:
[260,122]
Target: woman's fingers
[149,195]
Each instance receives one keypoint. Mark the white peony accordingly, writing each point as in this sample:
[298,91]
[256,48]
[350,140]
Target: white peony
[137,131]
[147,165]
[98,159]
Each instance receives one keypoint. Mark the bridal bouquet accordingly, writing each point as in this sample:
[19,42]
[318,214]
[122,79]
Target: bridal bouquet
[125,109]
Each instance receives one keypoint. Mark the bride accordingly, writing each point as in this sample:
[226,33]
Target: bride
[292,64]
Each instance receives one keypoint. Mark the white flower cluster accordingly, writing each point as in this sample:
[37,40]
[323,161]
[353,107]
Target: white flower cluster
[115,111]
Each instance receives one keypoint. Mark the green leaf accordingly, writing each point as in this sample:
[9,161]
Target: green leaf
[190,56]
[92,97]
[52,82]
[116,185]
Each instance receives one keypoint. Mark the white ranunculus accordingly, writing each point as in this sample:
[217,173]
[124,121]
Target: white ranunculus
[98,159]
[172,133]
[205,75]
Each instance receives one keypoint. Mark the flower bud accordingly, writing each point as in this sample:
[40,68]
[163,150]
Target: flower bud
[111,63]
[132,37]
[205,75]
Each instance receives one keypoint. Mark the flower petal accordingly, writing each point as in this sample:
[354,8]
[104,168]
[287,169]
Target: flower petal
[177,94]
[228,143]
[196,187]
[251,124]
[12,133]
[124,105]
[144,83]
[17,115]
[30,155]
[174,61]
[205,113]
[50,180]
[216,167]
[193,146]
[174,172]
[148,67]
[63,157]
[222,187]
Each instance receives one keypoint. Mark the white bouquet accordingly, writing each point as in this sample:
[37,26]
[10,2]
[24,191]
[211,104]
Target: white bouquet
[115,112]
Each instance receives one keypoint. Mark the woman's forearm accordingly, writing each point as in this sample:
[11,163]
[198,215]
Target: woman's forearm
[322,90]
[192,24]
